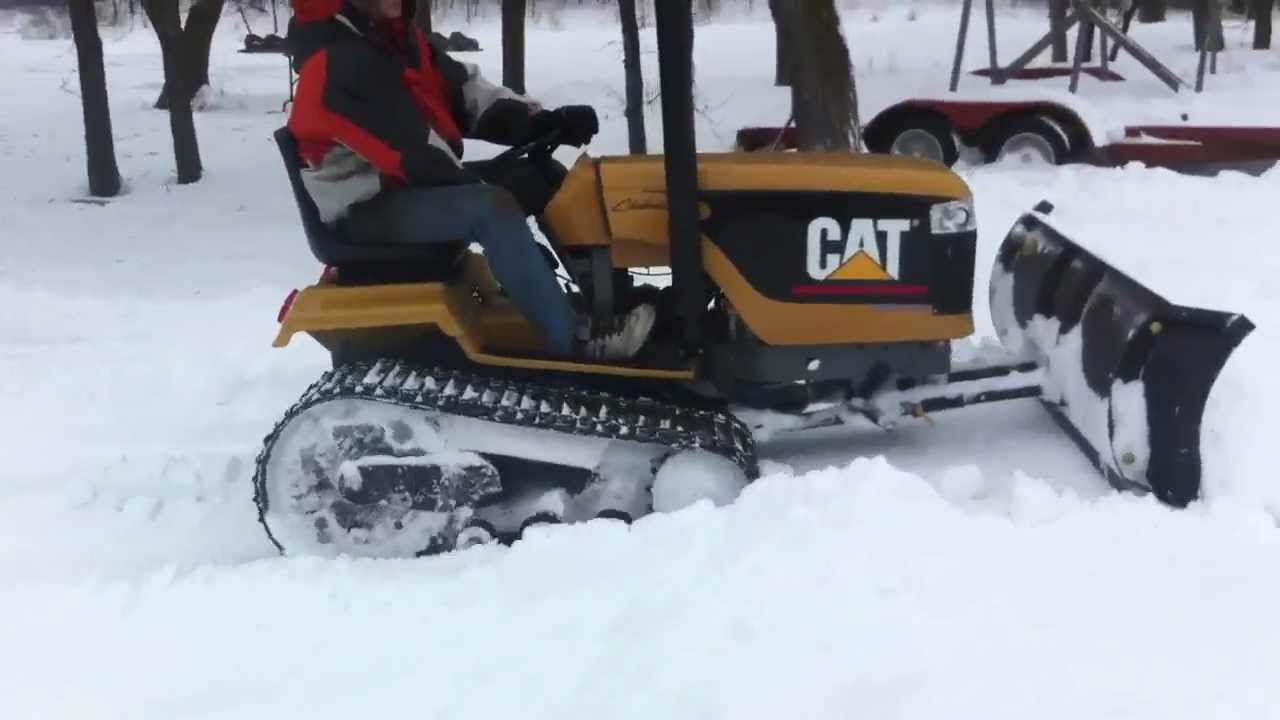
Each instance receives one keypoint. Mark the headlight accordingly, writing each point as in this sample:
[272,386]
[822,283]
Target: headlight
[953,217]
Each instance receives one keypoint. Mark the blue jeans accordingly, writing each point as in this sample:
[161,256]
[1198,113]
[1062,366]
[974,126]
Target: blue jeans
[489,216]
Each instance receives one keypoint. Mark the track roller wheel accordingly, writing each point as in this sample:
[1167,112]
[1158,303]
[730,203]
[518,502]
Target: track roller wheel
[692,476]
[477,532]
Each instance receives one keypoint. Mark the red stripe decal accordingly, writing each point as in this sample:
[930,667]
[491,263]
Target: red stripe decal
[864,290]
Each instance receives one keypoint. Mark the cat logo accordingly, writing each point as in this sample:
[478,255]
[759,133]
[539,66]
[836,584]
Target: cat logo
[858,255]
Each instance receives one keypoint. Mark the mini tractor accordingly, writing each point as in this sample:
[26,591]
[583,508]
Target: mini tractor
[806,290]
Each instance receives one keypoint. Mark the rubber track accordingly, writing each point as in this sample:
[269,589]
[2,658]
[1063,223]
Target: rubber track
[584,413]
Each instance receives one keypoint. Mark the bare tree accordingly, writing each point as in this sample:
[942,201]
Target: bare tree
[1152,11]
[1206,22]
[189,44]
[422,17]
[824,94]
[635,77]
[1261,11]
[513,12]
[783,55]
[176,49]
[104,174]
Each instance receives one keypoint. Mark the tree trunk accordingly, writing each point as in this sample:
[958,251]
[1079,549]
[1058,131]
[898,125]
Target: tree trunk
[513,12]
[635,77]
[186,150]
[422,17]
[1152,11]
[1217,37]
[104,174]
[821,73]
[1240,7]
[1058,26]
[782,59]
[1262,24]
[197,41]
[1199,9]
[1206,20]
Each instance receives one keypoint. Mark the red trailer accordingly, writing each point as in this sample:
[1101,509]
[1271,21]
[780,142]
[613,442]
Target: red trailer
[1044,131]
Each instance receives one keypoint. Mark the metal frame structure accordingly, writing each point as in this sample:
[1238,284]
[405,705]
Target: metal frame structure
[1089,18]
[674,21]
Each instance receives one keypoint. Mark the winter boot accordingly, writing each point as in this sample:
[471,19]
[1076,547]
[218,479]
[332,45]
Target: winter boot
[621,338]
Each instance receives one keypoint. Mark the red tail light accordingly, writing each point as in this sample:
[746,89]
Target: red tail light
[284,307]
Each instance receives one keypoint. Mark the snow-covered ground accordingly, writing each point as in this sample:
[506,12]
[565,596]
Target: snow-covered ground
[974,567]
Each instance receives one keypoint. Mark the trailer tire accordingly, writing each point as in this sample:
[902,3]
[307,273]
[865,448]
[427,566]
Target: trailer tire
[922,135]
[1035,138]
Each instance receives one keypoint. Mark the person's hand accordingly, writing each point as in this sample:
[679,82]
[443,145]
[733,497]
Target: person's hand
[577,124]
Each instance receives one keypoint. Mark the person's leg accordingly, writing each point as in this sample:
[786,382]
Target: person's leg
[483,214]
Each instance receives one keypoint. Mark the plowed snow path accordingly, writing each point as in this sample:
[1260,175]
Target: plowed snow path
[978,568]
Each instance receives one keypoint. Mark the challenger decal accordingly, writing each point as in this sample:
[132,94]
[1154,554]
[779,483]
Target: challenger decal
[865,260]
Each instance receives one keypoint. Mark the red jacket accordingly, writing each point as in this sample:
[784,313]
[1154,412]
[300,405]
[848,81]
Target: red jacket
[378,106]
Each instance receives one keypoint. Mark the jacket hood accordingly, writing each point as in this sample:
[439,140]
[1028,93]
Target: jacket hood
[308,37]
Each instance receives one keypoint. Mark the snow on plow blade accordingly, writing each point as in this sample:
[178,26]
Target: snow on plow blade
[1127,373]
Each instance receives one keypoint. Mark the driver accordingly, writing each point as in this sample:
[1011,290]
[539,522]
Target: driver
[380,115]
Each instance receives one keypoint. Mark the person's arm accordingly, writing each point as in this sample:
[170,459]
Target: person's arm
[488,112]
[374,116]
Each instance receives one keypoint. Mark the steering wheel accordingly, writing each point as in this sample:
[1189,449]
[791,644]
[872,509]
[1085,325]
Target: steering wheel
[540,147]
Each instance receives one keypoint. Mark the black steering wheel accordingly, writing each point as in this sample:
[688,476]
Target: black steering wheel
[538,148]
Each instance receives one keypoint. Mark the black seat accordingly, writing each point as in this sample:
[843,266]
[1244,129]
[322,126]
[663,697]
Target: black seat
[361,263]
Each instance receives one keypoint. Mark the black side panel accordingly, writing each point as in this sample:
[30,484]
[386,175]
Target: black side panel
[843,248]
[739,369]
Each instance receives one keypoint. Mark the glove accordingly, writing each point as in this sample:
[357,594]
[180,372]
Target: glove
[577,124]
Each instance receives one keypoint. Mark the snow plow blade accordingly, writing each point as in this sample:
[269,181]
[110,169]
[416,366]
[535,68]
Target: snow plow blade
[1126,373]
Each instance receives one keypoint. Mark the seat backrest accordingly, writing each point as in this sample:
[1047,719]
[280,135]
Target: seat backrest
[323,240]
[364,261]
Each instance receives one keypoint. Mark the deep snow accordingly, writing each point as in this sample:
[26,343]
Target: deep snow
[976,566]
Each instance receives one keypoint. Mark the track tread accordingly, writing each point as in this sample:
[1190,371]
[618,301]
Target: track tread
[528,404]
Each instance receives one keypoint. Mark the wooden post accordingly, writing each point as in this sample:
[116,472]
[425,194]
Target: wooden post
[1102,52]
[634,77]
[965,11]
[1146,59]
[1124,27]
[1040,45]
[513,12]
[996,77]
[1083,36]
[1058,29]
